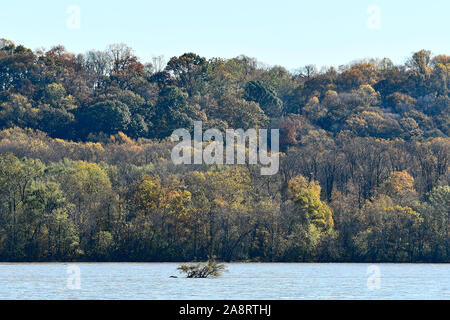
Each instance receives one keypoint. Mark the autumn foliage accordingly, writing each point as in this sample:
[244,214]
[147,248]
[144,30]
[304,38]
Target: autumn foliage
[86,172]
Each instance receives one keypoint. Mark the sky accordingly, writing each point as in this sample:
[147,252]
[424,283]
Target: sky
[287,33]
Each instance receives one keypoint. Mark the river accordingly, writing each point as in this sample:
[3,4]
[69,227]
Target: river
[243,281]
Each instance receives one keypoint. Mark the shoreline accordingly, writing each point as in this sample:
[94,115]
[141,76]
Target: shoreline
[227,263]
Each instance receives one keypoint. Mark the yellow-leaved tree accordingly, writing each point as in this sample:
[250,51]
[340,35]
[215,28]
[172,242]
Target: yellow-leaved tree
[306,196]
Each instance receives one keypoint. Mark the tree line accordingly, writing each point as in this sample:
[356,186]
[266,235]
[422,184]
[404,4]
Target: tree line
[86,173]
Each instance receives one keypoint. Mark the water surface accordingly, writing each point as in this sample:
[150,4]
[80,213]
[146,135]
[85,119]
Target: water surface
[243,281]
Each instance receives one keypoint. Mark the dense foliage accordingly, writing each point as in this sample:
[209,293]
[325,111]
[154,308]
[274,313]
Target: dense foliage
[86,172]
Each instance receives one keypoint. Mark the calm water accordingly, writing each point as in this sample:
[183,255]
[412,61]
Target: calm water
[243,281]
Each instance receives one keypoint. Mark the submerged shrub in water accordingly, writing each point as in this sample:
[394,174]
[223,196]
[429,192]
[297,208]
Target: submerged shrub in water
[202,270]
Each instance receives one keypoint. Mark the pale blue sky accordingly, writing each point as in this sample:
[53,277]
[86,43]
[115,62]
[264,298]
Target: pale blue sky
[287,33]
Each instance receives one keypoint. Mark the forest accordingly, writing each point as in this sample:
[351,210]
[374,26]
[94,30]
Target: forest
[86,171]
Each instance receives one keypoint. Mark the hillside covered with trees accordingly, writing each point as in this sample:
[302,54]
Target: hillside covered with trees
[86,172]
